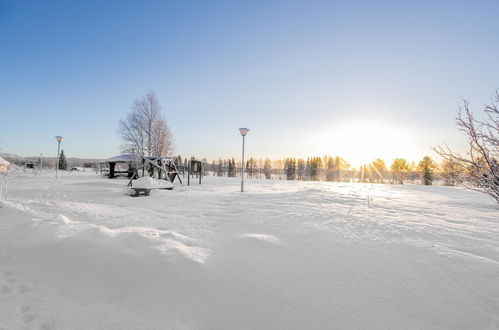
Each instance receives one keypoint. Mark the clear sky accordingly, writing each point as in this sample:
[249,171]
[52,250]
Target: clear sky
[350,78]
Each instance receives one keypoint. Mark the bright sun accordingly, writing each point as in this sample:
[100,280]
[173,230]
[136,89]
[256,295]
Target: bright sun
[361,142]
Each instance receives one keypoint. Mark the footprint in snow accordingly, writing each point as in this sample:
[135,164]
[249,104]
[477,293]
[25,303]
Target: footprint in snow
[24,309]
[28,318]
[7,273]
[46,326]
[6,289]
[22,289]
[33,320]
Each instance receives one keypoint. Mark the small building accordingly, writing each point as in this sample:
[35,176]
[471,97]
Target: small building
[123,164]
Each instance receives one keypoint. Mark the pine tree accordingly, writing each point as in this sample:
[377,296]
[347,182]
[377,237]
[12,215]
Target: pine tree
[204,167]
[290,165]
[378,166]
[232,168]
[267,169]
[248,172]
[251,167]
[450,171]
[300,169]
[337,168]
[400,169]
[329,163]
[308,168]
[63,165]
[220,170]
[178,160]
[225,167]
[315,166]
[427,166]
[363,173]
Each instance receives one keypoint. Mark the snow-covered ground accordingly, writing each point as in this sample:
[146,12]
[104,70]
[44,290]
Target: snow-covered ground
[80,254]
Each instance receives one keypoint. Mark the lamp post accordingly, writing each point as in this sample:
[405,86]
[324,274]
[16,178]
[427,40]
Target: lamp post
[59,140]
[243,131]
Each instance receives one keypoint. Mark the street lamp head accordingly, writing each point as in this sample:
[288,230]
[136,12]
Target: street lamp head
[59,138]
[244,131]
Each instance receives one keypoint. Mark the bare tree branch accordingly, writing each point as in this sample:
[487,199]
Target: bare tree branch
[479,168]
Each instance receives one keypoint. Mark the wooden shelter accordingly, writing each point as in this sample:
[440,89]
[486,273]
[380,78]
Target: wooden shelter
[123,164]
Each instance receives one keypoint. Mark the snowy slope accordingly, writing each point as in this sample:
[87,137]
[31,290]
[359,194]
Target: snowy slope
[80,254]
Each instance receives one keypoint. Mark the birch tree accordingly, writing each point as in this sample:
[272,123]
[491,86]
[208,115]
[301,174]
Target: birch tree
[480,163]
[145,130]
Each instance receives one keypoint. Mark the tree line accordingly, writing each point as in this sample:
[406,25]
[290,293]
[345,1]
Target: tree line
[337,169]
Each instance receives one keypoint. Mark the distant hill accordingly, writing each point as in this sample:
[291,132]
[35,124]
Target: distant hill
[13,158]
[74,159]
[16,159]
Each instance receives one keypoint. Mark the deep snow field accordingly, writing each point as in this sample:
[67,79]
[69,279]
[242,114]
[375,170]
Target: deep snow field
[80,254]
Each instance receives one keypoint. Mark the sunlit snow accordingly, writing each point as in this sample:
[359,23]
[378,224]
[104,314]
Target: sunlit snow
[79,253]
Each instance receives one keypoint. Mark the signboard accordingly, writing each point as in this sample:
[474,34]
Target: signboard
[194,167]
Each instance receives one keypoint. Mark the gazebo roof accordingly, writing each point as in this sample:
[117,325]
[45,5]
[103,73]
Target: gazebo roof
[124,158]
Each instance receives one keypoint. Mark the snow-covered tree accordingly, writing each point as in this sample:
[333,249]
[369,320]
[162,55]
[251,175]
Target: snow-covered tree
[480,163]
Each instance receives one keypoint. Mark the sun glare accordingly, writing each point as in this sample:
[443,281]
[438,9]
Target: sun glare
[361,142]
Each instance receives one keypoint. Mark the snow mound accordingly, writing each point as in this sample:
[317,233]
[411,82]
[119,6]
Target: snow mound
[167,242]
[262,237]
[147,182]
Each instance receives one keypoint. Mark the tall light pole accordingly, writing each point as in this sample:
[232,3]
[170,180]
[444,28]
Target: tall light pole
[243,131]
[59,140]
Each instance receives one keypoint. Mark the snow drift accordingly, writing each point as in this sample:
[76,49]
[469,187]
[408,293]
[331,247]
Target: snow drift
[283,255]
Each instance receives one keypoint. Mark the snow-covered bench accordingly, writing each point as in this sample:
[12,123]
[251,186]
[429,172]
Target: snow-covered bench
[144,185]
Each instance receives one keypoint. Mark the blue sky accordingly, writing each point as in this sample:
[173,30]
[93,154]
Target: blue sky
[308,78]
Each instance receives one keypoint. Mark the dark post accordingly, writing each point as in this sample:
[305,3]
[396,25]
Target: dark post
[200,171]
[111,170]
[189,173]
